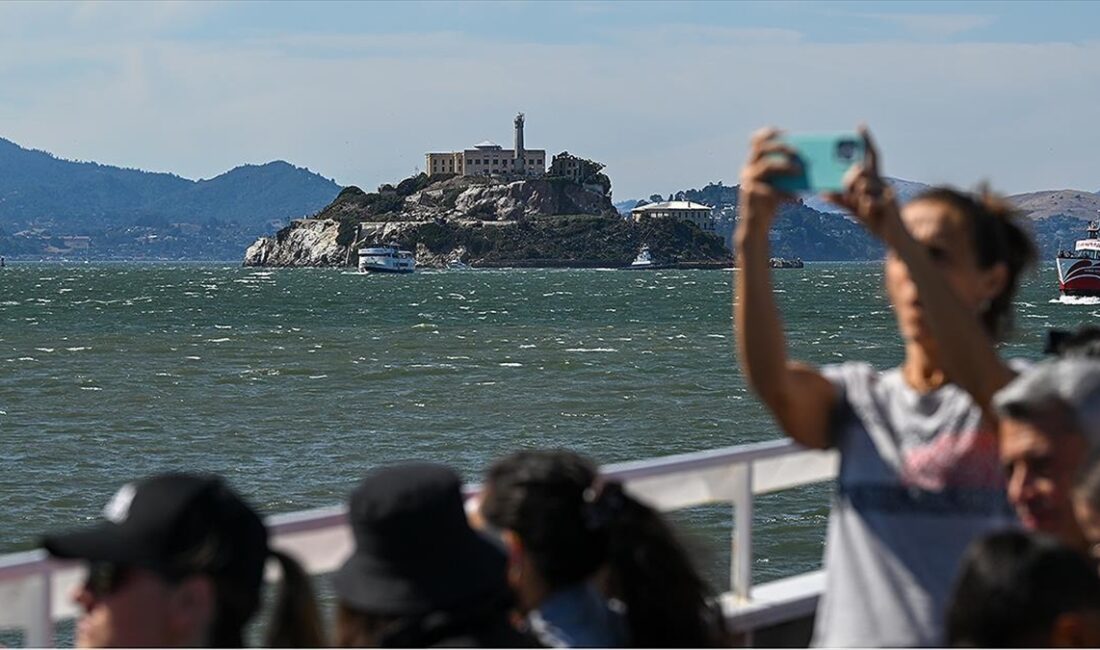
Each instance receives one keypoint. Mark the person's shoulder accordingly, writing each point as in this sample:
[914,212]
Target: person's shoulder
[851,372]
[1020,365]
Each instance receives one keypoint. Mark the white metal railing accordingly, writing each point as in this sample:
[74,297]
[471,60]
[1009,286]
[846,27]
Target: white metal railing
[34,589]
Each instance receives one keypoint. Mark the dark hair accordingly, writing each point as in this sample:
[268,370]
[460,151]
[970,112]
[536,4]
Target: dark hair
[996,238]
[358,629]
[1012,588]
[1087,482]
[295,621]
[572,526]
[480,625]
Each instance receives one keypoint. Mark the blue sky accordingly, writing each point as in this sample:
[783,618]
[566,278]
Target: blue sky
[666,94]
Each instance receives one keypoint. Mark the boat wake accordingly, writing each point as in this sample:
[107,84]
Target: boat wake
[1077,300]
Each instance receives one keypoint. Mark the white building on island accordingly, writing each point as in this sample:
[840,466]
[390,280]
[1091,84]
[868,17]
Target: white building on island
[488,158]
[697,213]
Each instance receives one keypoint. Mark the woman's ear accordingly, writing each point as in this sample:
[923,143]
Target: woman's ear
[192,611]
[472,506]
[994,281]
[513,545]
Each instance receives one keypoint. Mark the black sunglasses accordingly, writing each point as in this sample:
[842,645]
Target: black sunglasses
[105,578]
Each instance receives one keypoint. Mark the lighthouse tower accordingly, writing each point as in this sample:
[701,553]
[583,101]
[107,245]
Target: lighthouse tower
[518,154]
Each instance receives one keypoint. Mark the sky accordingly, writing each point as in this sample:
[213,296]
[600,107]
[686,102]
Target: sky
[665,94]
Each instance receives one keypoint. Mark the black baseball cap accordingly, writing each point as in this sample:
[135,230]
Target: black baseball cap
[176,524]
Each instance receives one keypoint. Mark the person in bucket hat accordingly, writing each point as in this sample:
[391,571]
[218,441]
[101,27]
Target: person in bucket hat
[178,562]
[419,575]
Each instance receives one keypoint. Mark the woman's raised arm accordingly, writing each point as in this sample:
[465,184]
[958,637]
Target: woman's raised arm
[967,351]
[798,396]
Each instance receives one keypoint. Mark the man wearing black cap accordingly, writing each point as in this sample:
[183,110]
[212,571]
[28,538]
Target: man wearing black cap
[419,575]
[178,562]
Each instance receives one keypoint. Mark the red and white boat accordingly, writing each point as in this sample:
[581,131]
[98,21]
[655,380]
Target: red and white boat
[1079,269]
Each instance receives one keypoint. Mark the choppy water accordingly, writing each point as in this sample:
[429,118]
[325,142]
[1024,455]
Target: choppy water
[293,383]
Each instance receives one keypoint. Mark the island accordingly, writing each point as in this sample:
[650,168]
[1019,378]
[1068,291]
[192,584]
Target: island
[491,207]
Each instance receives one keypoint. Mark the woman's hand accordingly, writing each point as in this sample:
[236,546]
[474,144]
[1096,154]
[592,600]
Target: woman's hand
[757,200]
[867,196]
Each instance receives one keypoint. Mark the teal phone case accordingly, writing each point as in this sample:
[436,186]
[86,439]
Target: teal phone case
[825,159]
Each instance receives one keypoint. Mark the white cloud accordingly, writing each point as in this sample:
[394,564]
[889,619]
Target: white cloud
[664,113]
[936,26]
[97,20]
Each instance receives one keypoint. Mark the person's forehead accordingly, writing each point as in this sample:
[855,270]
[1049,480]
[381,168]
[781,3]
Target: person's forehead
[927,220]
[1018,435]
[1049,432]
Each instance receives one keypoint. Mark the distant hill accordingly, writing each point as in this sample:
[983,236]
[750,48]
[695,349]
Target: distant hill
[69,197]
[905,190]
[624,207]
[1078,204]
[816,230]
[799,230]
[1058,217]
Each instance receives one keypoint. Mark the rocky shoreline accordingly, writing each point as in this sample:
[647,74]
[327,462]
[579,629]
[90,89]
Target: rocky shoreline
[578,242]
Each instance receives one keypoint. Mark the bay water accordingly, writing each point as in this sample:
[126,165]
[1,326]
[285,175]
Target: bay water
[292,383]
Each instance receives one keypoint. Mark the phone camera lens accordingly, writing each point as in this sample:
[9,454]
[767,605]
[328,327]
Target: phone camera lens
[846,149]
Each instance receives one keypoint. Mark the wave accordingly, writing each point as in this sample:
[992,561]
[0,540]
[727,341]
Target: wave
[1076,300]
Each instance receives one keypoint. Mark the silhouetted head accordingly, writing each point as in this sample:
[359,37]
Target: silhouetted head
[1019,589]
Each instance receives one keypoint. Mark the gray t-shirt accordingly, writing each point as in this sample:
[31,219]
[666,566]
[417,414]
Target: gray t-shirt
[919,479]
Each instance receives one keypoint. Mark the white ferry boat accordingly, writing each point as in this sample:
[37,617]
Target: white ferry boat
[645,260]
[386,259]
[1079,269]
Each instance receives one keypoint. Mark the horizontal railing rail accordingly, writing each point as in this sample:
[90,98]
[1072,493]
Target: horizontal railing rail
[35,589]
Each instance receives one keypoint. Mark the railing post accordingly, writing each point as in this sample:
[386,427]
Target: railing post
[39,630]
[741,559]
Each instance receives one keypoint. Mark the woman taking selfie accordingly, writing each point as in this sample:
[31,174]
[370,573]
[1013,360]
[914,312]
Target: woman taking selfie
[919,474]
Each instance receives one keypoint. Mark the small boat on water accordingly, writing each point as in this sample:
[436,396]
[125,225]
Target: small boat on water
[644,261]
[785,263]
[1079,269]
[386,259]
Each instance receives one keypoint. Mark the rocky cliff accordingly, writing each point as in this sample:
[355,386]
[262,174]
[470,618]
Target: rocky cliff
[423,198]
[307,242]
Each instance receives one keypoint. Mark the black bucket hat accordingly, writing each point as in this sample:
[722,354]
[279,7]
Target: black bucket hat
[415,552]
[175,524]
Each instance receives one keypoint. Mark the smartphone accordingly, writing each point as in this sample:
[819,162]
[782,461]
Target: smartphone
[825,159]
